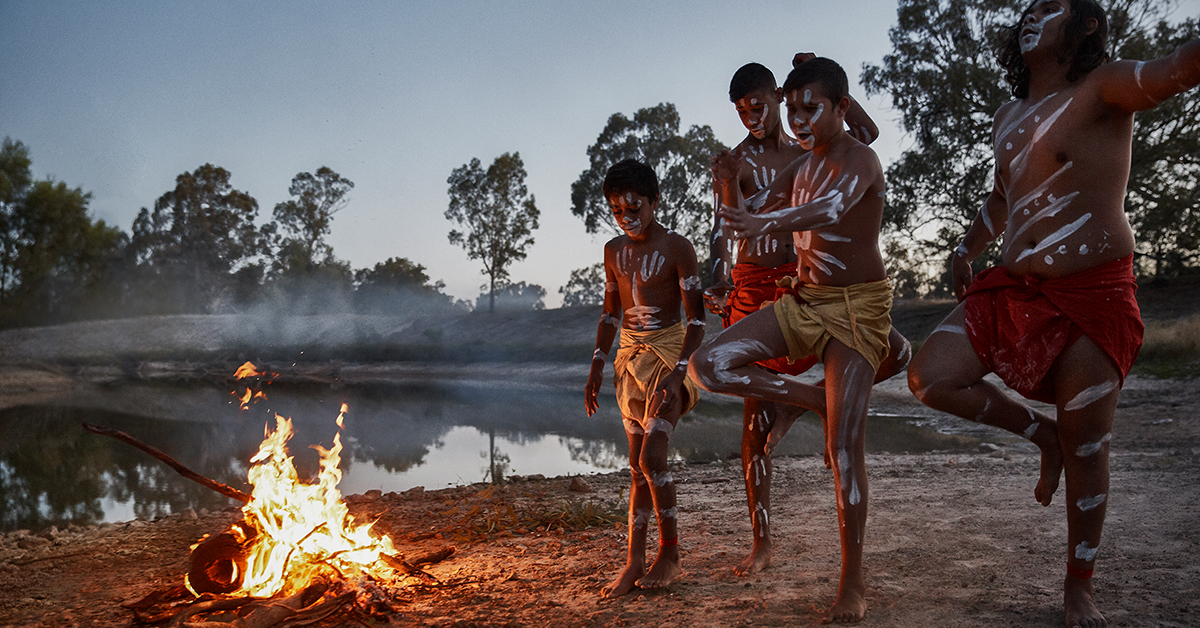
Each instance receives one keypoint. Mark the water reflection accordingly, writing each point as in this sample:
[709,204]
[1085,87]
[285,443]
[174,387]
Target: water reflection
[396,437]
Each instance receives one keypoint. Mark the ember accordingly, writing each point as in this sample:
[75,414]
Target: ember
[253,379]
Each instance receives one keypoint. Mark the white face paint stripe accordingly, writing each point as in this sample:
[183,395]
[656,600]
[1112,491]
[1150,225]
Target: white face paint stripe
[1090,395]
[1088,503]
[1089,449]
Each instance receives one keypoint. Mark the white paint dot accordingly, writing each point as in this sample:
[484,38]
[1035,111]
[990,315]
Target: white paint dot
[1083,249]
[1049,261]
[1008,146]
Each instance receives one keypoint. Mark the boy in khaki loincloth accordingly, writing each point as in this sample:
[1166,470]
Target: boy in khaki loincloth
[1058,321]
[838,306]
[650,273]
[745,272]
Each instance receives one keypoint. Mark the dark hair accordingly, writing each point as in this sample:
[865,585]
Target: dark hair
[1085,52]
[748,78]
[631,175]
[824,72]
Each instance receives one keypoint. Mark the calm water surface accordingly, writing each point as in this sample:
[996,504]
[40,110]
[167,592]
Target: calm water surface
[52,472]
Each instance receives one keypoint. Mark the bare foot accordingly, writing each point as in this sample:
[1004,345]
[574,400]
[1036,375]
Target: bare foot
[1079,601]
[1052,466]
[779,429]
[850,607]
[624,583]
[759,559]
[664,571]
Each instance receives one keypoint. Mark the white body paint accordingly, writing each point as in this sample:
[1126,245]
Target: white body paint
[1089,449]
[662,479]
[1088,503]
[1090,395]
[1084,552]
[1030,40]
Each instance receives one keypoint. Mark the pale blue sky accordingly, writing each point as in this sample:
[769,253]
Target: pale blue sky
[119,98]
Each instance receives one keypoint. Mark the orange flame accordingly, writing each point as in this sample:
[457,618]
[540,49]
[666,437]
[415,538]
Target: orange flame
[302,529]
[249,370]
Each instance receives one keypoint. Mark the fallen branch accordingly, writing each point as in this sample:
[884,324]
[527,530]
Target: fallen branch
[223,489]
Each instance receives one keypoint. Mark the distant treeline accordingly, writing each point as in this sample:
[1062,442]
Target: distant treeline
[200,249]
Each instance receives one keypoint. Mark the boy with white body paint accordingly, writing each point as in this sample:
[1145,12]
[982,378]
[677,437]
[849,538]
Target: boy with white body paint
[837,307]
[1058,321]
[650,273]
[745,272]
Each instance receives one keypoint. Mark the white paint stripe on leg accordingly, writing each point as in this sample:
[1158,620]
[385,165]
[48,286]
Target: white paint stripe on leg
[1090,395]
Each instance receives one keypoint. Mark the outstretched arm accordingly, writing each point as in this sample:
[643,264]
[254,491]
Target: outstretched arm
[606,332]
[1140,85]
[723,253]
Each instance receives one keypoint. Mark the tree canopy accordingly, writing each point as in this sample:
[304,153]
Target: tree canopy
[682,162]
[944,81]
[197,236]
[497,213]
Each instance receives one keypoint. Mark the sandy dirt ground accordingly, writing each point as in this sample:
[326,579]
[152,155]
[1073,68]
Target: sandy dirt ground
[953,540]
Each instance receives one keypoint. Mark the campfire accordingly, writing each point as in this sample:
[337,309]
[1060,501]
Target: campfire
[296,556]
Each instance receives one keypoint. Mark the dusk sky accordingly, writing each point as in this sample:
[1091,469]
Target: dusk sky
[119,98]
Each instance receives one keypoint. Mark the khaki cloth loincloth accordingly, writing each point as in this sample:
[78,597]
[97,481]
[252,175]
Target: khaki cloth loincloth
[859,316]
[643,360]
[756,288]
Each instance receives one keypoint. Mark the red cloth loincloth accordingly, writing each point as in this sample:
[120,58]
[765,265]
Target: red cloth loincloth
[754,288]
[1019,326]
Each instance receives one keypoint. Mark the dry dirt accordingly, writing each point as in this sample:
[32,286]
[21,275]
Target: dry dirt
[952,541]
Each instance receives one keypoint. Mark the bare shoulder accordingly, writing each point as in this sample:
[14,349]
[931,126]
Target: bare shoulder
[862,157]
[678,245]
[615,244]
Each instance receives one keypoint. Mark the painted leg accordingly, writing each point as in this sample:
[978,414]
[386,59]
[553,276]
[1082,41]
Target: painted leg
[727,365]
[784,416]
[666,568]
[899,354]
[640,508]
[756,469]
[1088,386]
[849,378]
[947,375]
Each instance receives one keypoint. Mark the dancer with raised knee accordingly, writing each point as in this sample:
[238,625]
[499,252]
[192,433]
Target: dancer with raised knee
[1058,321]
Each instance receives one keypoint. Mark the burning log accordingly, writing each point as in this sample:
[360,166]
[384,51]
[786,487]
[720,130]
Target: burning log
[223,489]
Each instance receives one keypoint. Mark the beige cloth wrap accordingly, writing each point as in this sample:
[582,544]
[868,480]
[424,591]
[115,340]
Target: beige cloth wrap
[859,316]
[643,360]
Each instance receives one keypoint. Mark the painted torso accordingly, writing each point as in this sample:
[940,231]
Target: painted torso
[760,164]
[1062,165]
[847,252]
[647,278]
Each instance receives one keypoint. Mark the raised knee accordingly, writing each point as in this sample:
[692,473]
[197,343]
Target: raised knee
[701,369]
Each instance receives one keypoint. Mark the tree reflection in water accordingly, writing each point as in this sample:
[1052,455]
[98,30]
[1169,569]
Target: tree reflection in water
[54,473]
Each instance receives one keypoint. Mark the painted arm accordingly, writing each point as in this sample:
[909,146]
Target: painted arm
[832,201]
[693,310]
[723,252]
[1140,85]
[989,223]
[859,124]
[606,332]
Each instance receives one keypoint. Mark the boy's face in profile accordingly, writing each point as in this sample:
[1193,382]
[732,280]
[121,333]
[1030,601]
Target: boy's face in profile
[814,119]
[633,212]
[759,111]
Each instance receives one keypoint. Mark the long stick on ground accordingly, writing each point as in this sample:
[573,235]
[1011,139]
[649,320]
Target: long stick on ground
[223,489]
